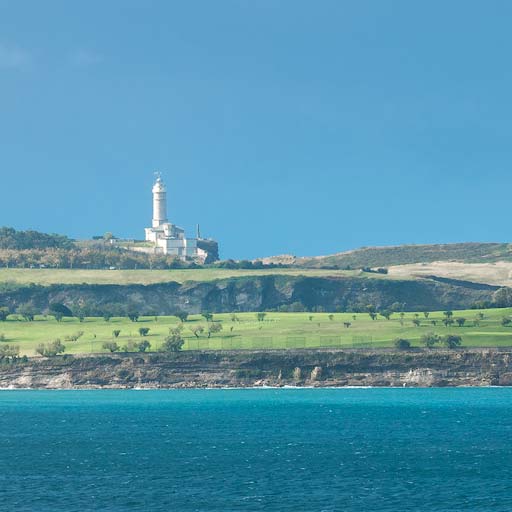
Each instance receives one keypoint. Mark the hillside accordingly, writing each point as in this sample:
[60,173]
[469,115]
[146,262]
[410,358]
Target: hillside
[471,252]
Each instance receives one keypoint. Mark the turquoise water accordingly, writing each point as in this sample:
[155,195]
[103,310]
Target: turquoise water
[251,450]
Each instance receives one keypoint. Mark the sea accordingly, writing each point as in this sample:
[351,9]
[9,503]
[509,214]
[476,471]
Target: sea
[256,450]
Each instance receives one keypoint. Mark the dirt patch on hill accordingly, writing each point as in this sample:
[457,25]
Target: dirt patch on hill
[498,273]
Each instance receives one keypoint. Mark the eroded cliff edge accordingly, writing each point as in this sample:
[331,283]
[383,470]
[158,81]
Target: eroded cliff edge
[318,368]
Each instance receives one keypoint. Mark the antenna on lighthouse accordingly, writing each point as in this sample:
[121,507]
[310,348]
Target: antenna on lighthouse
[158,175]
[198,232]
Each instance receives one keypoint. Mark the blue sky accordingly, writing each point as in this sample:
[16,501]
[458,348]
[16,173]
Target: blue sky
[280,126]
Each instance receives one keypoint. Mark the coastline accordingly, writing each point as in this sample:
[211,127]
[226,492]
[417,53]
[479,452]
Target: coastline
[265,369]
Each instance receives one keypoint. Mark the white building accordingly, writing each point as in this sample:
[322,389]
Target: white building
[167,237]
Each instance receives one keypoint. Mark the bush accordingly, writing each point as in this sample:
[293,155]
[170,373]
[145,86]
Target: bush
[4,313]
[28,311]
[430,339]
[181,315]
[173,343]
[402,344]
[144,331]
[50,349]
[9,352]
[116,333]
[74,337]
[143,345]
[452,341]
[112,346]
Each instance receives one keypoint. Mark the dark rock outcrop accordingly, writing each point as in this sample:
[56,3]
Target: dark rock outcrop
[258,293]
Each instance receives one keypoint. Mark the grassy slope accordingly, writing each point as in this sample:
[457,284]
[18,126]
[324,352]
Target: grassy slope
[68,276]
[279,330]
[406,254]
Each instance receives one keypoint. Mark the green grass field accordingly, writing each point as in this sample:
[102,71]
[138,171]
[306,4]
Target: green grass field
[123,277]
[277,331]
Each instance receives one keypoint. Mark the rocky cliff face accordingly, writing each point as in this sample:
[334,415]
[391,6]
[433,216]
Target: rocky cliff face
[261,293]
[319,368]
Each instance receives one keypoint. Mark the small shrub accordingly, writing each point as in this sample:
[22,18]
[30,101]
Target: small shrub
[452,341]
[111,346]
[214,328]
[402,344]
[50,349]
[430,339]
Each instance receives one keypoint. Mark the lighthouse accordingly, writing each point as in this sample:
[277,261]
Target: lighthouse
[166,237]
[159,202]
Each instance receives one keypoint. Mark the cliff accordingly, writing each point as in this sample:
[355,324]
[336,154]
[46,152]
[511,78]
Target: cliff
[319,368]
[259,293]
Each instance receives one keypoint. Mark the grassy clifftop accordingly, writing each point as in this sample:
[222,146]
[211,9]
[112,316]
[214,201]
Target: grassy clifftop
[471,252]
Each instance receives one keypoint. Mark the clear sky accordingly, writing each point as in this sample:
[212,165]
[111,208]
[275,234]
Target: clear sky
[302,127]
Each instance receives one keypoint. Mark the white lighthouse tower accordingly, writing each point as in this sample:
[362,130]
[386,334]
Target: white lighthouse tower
[159,202]
[167,237]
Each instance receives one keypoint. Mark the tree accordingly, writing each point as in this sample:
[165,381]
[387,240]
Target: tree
[112,346]
[416,322]
[58,315]
[79,313]
[310,317]
[214,328]
[373,315]
[386,313]
[397,306]
[4,313]
[181,315]
[144,331]
[116,333]
[430,339]
[196,330]
[347,324]
[402,344]
[460,321]
[260,316]
[143,345]
[173,343]
[331,317]
[207,316]
[502,298]
[107,316]
[27,311]
[433,322]
[448,314]
[133,314]
[452,341]
[447,321]
[505,321]
[176,330]
[426,314]
[371,308]
[234,317]
[476,321]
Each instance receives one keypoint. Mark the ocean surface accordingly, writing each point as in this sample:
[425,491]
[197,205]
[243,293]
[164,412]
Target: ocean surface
[251,450]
